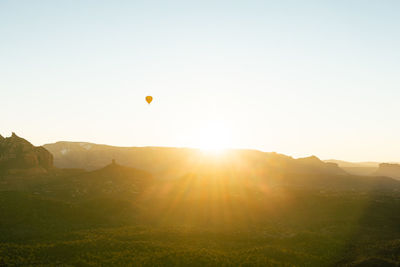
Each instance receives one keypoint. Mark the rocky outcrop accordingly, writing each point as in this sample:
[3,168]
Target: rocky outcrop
[18,153]
[389,169]
[314,165]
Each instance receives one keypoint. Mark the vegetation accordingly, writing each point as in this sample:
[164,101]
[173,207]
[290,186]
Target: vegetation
[123,216]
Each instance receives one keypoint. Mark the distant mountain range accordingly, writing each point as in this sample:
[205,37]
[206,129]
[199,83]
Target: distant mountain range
[369,168]
[17,154]
[388,169]
[347,164]
[164,161]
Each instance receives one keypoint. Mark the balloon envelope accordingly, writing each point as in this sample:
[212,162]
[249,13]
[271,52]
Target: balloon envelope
[149,99]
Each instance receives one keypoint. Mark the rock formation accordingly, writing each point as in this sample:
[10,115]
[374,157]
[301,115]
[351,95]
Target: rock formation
[18,153]
[389,169]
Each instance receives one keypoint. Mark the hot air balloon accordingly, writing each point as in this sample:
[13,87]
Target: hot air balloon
[149,99]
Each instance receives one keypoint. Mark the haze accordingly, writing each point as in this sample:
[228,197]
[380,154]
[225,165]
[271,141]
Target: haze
[316,77]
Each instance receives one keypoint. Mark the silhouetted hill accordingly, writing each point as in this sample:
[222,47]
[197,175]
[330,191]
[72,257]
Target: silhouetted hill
[71,199]
[17,153]
[243,169]
[314,164]
[341,163]
[356,168]
[369,168]
[114,181]
[389,169]
[178,161]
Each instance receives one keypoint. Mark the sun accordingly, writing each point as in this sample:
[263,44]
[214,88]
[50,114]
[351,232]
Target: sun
[213,138]
[212,150]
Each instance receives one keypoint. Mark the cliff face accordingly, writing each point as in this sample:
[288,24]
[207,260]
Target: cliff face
[390,170]
[18,153]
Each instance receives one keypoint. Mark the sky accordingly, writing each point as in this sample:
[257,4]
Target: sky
[296,77]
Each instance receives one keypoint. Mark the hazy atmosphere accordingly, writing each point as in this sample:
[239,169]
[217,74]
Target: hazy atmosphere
[296,77]
[200,133]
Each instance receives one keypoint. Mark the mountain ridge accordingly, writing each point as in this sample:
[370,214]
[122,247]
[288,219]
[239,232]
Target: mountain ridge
[91,156]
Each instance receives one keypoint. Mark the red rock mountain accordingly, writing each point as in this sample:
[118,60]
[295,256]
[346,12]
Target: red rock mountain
[18,153]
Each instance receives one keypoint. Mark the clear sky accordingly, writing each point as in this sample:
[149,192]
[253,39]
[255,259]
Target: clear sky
[295,77]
